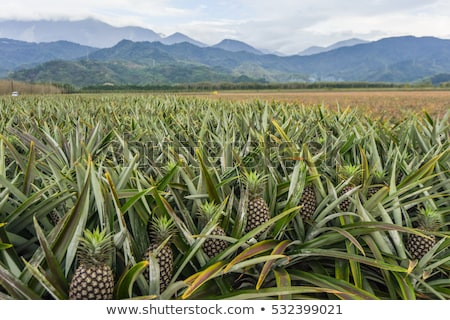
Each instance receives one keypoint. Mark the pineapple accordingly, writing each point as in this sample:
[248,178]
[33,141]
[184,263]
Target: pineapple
[399,177]
[54,217]
[308,202]
[257,208]
[349,172]
[429,220]
[159,230]
[93,279]
[212,246]
[378,180]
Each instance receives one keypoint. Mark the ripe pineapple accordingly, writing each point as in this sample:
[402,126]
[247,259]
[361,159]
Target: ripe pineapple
[93,279]
[349,172]
[378,181]
[257,208]
[428,220]
[54,217]
[308,202]
[212,246]
[159,230]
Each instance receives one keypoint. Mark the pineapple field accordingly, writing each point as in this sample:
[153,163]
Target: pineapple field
[190,197]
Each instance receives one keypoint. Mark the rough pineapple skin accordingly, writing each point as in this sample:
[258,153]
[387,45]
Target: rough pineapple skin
[371,191]
[212,247]
[54,217]
[308,203]
[92,282]
[418,246]
[345,205]
[257,213]
[165,261]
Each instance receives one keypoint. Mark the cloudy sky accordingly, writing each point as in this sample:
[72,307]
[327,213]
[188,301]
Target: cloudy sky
[287,26]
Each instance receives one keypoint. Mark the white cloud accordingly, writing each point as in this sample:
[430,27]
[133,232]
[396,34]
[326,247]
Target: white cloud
[283,25]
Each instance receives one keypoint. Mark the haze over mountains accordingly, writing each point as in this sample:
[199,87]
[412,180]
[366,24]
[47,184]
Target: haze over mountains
[89,52]
[88,32]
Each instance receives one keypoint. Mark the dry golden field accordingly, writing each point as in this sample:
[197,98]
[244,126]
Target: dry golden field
[387,102]
[7,86]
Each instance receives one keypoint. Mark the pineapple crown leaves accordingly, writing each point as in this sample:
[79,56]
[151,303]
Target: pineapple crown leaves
[429,219]
[255,182]
[161,228]
[95,247]
[208,210]
[378,176]
[352,172]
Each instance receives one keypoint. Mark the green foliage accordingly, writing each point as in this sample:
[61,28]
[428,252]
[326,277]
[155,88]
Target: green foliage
[120,161]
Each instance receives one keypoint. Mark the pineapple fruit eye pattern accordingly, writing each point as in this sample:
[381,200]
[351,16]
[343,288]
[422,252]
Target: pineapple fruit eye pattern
[182,197]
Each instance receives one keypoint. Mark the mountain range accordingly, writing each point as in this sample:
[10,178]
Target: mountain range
[146,57]
[345,43]
[87,32]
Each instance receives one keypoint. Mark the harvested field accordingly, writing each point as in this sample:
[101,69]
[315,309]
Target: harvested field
[399,102]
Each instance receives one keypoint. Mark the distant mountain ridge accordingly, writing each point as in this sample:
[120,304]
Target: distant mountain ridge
[97,34]
[181,60]
[236,46]
[88,32]
[345,43]
[16,53]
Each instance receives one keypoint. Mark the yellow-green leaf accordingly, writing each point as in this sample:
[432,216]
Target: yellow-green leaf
[279,249]
[201,277]
[252,251]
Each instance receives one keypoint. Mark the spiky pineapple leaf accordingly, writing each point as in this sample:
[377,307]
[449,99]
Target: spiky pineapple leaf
[351,257]
[55,275]
[124,286]
[256,249]
[298,292]
[342,289]
[136,197]
[198,279]
[424,171]
[29,171]
[210,185]
[15,287]
[348,236]
[56,293]
[283,280]
[407,291]
[277,250]
[64,237]
[3,245]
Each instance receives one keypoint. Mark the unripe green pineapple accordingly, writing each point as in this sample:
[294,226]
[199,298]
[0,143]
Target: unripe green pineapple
[428,220]
[308,202]
[351,172]
[212,246]
[93,279]
[257,208]
[159,230]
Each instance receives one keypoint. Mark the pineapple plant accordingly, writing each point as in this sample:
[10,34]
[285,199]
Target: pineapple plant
[346,172]
[308,202]
[257,208]
[93,279]
[212,246]
[429,220]
[160,230]
[378,181]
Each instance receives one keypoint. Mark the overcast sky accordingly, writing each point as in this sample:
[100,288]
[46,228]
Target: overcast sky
[287,26]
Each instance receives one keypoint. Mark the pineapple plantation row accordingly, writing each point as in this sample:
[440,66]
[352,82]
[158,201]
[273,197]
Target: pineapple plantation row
[163,197]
